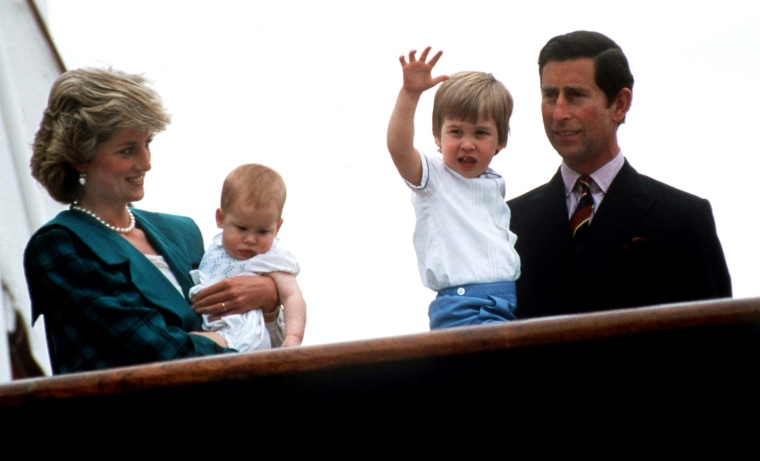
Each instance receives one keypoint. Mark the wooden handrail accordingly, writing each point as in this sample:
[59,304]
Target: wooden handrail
[513,336]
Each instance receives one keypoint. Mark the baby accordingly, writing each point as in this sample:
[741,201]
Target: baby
[250,217]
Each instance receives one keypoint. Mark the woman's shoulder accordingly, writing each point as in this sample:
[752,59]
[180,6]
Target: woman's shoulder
[60,238]
[177,230]
[166,223]
[168,219]
[60,228]
[50,235]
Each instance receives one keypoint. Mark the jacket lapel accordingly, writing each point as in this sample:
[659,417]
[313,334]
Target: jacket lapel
[548,207]
[178,260]
[115,250]
[625,205]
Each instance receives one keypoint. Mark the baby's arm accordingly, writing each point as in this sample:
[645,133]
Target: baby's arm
[400,138]
[293,305]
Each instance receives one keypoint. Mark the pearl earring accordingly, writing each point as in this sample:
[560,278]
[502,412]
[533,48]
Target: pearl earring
[82,178]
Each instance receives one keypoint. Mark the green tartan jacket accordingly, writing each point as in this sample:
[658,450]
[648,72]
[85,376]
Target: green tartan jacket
[103,302]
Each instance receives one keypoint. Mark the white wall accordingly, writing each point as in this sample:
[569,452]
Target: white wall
[27,69]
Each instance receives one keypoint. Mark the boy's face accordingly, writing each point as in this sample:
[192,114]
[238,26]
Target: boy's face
[468,148]
[248,231]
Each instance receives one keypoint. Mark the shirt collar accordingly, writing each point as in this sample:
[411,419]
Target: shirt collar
[489,173]
[602,177]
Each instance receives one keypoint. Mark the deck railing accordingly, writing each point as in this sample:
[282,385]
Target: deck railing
[661,355]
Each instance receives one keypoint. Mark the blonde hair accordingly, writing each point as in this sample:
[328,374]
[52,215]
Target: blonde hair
[85,107]
[469,96]
[256,185]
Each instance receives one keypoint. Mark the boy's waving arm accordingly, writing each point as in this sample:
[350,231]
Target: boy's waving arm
[400,138]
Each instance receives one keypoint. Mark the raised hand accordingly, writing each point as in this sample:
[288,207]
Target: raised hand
[400,137]
[418,72]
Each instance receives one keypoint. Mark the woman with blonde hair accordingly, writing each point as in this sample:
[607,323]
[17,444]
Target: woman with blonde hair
[109,279]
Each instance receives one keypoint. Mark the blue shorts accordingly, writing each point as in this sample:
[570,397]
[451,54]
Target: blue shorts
[473,304]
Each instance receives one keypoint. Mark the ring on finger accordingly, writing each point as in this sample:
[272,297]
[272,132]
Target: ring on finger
[224,308]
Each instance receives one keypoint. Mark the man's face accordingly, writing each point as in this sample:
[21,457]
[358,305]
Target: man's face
[579,122]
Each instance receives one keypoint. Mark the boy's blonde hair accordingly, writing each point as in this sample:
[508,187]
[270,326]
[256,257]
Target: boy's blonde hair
[256,185]
[469,96]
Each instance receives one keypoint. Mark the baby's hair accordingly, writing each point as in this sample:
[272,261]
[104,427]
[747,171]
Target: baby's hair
[256,185]
[469,96]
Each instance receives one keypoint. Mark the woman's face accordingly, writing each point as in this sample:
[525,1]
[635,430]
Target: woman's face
[116,174]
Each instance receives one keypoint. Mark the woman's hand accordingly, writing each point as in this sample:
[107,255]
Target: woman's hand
[236,295]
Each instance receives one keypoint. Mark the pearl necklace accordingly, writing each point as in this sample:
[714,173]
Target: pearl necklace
[121,230]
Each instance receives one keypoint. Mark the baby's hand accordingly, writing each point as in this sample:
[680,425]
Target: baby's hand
[417,72]
[291,340]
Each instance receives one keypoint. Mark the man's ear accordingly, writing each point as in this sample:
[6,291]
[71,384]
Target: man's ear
[621,105]
[219,218]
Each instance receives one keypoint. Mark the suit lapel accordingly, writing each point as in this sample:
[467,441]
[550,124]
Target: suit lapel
[548,207]
[115,250]
[625,205]
[177,260]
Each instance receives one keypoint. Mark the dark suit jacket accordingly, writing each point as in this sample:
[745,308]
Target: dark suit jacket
[104,303]
[648,244]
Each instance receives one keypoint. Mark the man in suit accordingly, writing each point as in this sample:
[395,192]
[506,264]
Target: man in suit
[645,243]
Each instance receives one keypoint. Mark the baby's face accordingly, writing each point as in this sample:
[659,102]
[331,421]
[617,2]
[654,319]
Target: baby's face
[248,231]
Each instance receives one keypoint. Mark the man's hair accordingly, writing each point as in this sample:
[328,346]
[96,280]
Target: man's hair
[85,107]
[611,70]
[472,95]
[255,185]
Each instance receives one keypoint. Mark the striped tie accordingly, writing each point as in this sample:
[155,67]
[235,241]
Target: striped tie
[580,220]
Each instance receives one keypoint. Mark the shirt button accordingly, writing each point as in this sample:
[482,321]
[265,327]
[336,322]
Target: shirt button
[460,291]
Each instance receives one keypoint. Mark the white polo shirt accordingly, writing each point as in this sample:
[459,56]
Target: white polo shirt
[462,232]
